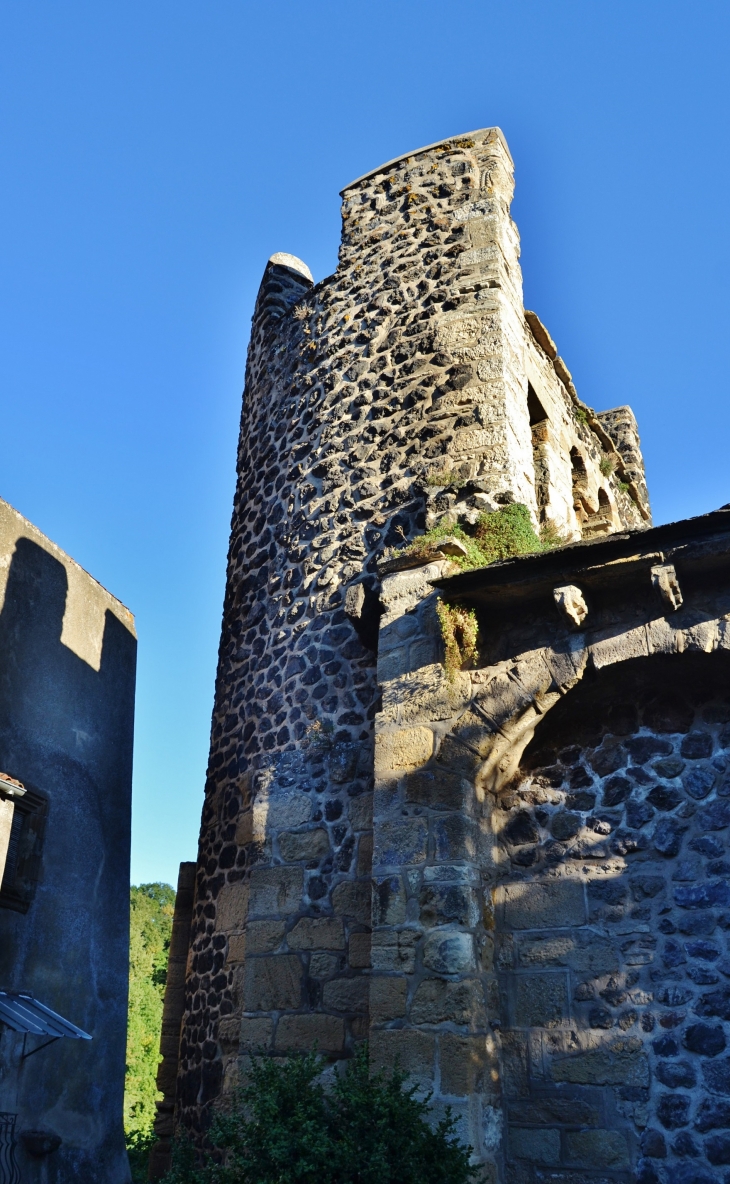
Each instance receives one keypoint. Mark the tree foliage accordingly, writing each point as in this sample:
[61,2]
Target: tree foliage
[151,909]
[285,1127]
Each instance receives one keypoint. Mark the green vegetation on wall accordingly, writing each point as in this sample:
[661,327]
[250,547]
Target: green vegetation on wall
[497,535]
[151,909]
[285,1127]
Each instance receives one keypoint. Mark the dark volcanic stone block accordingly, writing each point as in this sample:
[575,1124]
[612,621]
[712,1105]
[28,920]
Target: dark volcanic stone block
[653,1144]
[708,845]
[702,949]
[696,745]
[706,1039]
[717,1149]
[676,1074]
[717,1076]
[615,791]
[673,1110]
[638,814]
[715,1003]
[716,816]
[642,748]
[565,825]
[699,780]
[521,828]
[667,836]
[713,1113]
[664,797]
[666,1045]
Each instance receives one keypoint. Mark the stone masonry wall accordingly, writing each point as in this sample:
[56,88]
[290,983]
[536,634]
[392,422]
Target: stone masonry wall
[612,950]
[389,394]
[550,872]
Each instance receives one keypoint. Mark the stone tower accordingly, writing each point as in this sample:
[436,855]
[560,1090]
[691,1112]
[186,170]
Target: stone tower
[409,384]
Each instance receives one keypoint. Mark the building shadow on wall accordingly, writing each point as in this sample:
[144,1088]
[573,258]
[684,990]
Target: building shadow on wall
[66,733]
[614,975]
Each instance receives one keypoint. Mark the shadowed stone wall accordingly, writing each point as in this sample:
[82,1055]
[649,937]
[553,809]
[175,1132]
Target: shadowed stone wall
[67,671]
[551,881]
[407,386]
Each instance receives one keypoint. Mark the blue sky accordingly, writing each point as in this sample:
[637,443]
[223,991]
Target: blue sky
[154,154]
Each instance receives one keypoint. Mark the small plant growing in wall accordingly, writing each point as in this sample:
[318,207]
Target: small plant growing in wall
[285,1127]
[500,534]
[607,464]
[320,736]
[459,630]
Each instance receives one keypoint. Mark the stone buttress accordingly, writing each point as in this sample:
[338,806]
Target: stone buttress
[408,385]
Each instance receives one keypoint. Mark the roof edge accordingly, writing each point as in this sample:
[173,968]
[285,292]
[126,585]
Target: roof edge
[427,148]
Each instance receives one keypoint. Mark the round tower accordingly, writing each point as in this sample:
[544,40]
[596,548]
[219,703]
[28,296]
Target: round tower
[374,400]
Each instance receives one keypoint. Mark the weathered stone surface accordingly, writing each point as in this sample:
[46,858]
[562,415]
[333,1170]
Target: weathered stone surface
[706,1039]
[537,1146]
[716,1076]
[295,1033]
[311,844]
[400,842]
[275,890]
[405,749]
[541,1000]
[231,908]
[443,903]
[389,900]
[673,1110]
[515,1078]
[273,983]
[438,788]
[463,1061]
[387,999]
[544,905]
[346,994]
[360,951]
[623,1062]
[353,901]
[449,952]
[262,937]
[712,1113]
[255,1033]
[597,1149]
[317,933]
[437,1001]
[401,1047]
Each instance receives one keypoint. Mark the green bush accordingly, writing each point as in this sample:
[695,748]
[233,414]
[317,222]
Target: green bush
[286,1128]
[139,1145]
[150,926]
[505,533]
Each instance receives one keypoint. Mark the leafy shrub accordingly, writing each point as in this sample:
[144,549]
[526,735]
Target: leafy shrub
[286,1128]
[151,909]
[505,533]
[139,1145]
[497,535]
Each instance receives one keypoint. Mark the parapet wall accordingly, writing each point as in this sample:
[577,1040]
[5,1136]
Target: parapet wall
[406,386]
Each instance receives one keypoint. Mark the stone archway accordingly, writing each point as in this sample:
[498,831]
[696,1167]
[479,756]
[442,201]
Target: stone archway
[611,956]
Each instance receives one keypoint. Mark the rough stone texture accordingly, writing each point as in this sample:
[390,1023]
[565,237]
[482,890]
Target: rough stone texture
[409,387]
[582,778]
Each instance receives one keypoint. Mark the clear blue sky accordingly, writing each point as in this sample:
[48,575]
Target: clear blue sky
[154,154]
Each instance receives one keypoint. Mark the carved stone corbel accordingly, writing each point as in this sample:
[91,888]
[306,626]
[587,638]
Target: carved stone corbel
[571,602]
[664,579]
